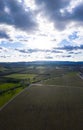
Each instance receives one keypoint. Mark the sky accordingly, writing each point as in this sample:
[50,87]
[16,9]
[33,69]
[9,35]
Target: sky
[41,30]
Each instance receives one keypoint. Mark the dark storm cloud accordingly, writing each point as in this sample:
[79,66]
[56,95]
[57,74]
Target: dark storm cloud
[13,13]
[52,10]
[3,34]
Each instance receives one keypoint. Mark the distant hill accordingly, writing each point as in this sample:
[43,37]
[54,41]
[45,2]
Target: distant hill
[42,63]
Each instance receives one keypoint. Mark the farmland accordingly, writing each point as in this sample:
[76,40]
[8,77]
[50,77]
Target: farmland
[51,97]
[17,77]
[44,107]
[70,79]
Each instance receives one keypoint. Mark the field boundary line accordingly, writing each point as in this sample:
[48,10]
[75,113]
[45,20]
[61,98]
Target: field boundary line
[13,98]
[35,84]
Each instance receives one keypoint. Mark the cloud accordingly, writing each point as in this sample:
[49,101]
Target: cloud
[53,4]
[13,12]
[1,48]
[3,34]
[1,5]
[49,57]
[38,50]
[3,56]
[56,11]
[59,33]
[51,10]
[71,52]
[77,13]
[57,50]
[66,56]
[69,48]
[81,47]
[32,50]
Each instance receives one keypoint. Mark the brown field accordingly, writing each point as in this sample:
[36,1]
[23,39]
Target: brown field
[44,107]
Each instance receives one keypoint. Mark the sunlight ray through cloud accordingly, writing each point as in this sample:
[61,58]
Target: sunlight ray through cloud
[37,29]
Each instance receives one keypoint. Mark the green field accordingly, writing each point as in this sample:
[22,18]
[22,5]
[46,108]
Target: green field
[22,76]
[6,86]
[31,77]
[4,98]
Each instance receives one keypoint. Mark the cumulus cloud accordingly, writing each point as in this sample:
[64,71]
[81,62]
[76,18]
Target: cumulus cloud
[12,12]
[77,13]
[56,11]
[3,34]
[58,34]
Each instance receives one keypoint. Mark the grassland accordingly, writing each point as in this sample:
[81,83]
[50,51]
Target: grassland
[6,86]
[21,76]
[4,98]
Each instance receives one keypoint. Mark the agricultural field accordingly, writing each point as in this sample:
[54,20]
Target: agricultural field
[70,79]
[41,97]
[22,76]
[44,107]
[5,97]
[6,86]
[17,77]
